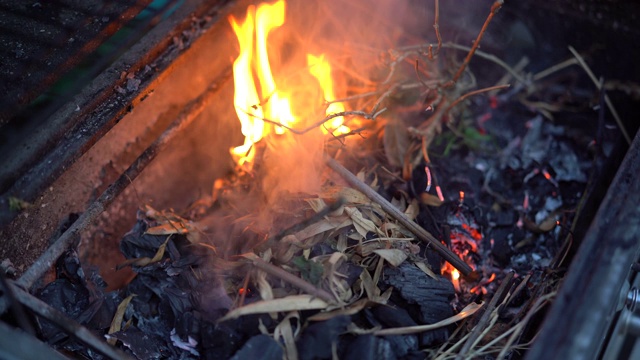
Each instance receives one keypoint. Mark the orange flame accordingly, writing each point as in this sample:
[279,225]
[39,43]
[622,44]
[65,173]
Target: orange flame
[321,70]
[253,106]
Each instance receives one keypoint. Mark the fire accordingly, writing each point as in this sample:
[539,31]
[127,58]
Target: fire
[257,96]
[321,70]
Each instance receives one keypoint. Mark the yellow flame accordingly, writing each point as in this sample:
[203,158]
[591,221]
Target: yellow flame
[321,70]
[245,96]
[251,105]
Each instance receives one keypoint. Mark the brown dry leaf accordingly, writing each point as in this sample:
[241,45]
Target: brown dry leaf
[413,209]
[427,270]
[369,287]
[362,225]
[351,196]
[316,204]
[169,227]
[394,257]
[466,312]
[144,261]
[285,304]
[349,310]
[326,224]
[396,141]
[548,224]
[430,200]
[116,323]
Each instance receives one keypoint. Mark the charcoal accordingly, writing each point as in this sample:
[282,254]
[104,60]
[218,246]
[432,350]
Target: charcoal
[369,347]
[432,296]
[70,298]
[316,339]
[146,346]
[220,341]
[392,316]
[388,316]
[501,250]
[259,347]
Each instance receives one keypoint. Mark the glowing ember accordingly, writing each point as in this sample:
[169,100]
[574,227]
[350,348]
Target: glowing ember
[252,68]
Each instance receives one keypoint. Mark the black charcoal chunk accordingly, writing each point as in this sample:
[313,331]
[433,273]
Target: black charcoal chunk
[432,296]
[317,339]
[369,347]
[259,347]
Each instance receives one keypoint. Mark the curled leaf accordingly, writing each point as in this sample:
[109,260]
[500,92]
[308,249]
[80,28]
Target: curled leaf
[286,304]
[116,323]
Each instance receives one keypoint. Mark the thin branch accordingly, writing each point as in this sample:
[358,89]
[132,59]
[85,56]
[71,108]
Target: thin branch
[489,57]
[494,9]
[555,68]
[416,229]
[69,325]
[607,100]
[290,278]
[475,92]
[474,336]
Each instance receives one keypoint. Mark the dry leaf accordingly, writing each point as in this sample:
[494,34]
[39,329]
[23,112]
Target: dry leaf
[350,196]
[369,287]
[394,257]
[284,331]
[466,312]
[170,227]
[430,200]
[144,261]
[286,304]
[316,204]
[349,310]
[427,270]
[396,140]
[116,323]
[413,209]
[362,225]
[326,224]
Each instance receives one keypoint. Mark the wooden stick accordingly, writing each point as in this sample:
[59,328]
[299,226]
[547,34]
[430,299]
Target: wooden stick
[291,279]
[416,229]
[69,325]
[486,316]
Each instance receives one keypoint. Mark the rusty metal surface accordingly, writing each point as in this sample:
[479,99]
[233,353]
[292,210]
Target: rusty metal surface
[41,41]
[106,100]
[588,300]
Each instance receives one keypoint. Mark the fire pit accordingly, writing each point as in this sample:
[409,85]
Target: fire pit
[309,186]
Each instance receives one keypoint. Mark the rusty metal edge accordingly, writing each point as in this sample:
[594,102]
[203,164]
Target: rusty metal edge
[95,116]
[577,323]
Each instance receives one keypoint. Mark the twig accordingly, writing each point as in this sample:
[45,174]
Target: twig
[416,229]
[494,9]
[475,92]
[69,325]
[309,221]
[477,330]
[489,57]
[369,116]
[607,100]
[436,27]
[290,278]
[557,67]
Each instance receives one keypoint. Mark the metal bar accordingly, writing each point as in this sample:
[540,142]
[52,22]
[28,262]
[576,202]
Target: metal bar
[587,301]
[186,116]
